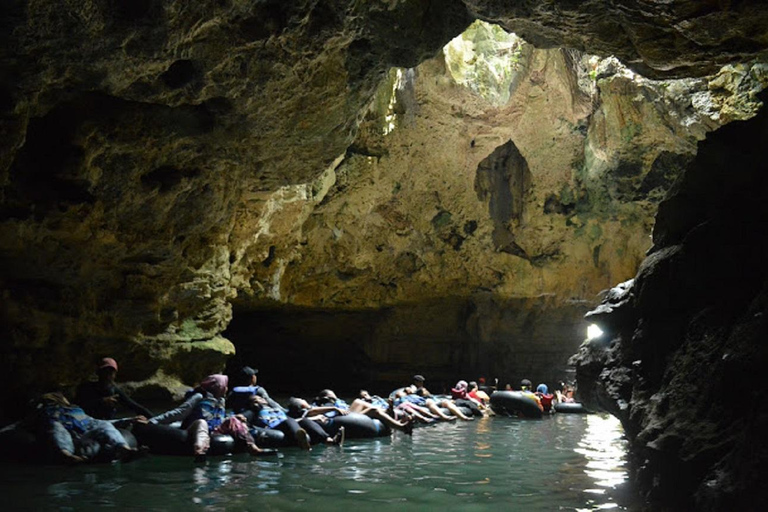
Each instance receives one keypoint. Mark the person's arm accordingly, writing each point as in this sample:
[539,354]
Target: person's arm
[132,404]
[263,394]
[324,409]
[179,413]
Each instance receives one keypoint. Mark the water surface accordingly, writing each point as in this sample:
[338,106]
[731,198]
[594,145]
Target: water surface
[564,462]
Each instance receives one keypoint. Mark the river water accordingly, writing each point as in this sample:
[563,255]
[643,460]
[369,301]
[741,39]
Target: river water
[563,462]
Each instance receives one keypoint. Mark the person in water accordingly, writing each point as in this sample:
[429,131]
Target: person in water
[527,389]
[101,398]
[460,396]
[248,377]
[544,397]
[420,390]
[565,393]
[478,394]
[204,413]
[254,403]
[404,401]
[74,435]
[329,404]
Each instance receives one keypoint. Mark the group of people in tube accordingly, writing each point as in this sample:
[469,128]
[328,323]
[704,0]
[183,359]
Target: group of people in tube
[247,418]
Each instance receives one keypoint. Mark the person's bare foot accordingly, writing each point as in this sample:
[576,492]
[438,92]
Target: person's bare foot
[260,452]
[71,458]
[338,439]
[302,438]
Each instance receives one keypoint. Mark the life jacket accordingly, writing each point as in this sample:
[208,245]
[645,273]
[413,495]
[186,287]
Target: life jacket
[270,417]
[72,418]
[379,402]
[210,409]
[546,401]
[459,394]
[534,397]
[339,403]
[240,398]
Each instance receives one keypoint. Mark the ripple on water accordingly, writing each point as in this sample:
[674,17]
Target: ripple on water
[565,462]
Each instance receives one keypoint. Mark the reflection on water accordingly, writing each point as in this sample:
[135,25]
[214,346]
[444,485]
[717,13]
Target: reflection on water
[605,448]
[565,462]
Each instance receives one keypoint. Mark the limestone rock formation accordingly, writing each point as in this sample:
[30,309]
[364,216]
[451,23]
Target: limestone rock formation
[136,134]
[504,184]
[657,38]
[684,349]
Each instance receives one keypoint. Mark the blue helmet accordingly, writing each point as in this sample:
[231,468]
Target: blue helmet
[542,388]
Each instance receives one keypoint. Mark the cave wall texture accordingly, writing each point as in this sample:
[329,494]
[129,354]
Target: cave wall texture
[163,162]
[684,348]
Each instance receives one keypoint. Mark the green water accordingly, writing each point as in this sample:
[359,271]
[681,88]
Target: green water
[564,462]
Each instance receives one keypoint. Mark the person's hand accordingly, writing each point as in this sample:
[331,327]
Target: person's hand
[342,412]
[257,400]
[110,400]
[241,418]
[141,419]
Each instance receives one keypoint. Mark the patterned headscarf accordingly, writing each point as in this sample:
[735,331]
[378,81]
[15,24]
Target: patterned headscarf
[215,384]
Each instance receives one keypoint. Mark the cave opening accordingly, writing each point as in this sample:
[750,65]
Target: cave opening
[490,194]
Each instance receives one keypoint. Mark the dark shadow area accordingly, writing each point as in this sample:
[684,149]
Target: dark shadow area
[301,349]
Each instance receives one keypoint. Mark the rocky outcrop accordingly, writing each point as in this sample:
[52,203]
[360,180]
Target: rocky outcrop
[136,134]
[683,352]
[655,37]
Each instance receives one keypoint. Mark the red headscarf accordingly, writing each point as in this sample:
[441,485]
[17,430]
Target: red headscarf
[460,391]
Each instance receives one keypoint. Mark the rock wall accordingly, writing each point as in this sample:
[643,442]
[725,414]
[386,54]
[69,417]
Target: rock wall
[135,136]
[682,358]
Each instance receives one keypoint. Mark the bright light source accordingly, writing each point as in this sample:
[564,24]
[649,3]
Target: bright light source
[593,331]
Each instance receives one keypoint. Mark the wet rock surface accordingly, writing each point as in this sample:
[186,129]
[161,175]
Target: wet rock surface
[681,361]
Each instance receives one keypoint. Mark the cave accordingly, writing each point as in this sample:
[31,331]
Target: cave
[351,193]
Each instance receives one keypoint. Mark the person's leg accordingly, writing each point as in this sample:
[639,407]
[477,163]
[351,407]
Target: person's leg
[294,434]
[455,410]
[62,443]
[432,406]
[469,404]
[113,444]
[385,418]
[317,433]
[414,411]
[239,431]
[201,439]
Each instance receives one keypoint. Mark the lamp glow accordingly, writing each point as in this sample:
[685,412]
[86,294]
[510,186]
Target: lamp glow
[593,331]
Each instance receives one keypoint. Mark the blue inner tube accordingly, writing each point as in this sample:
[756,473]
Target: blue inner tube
[515,403]
[571,407]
